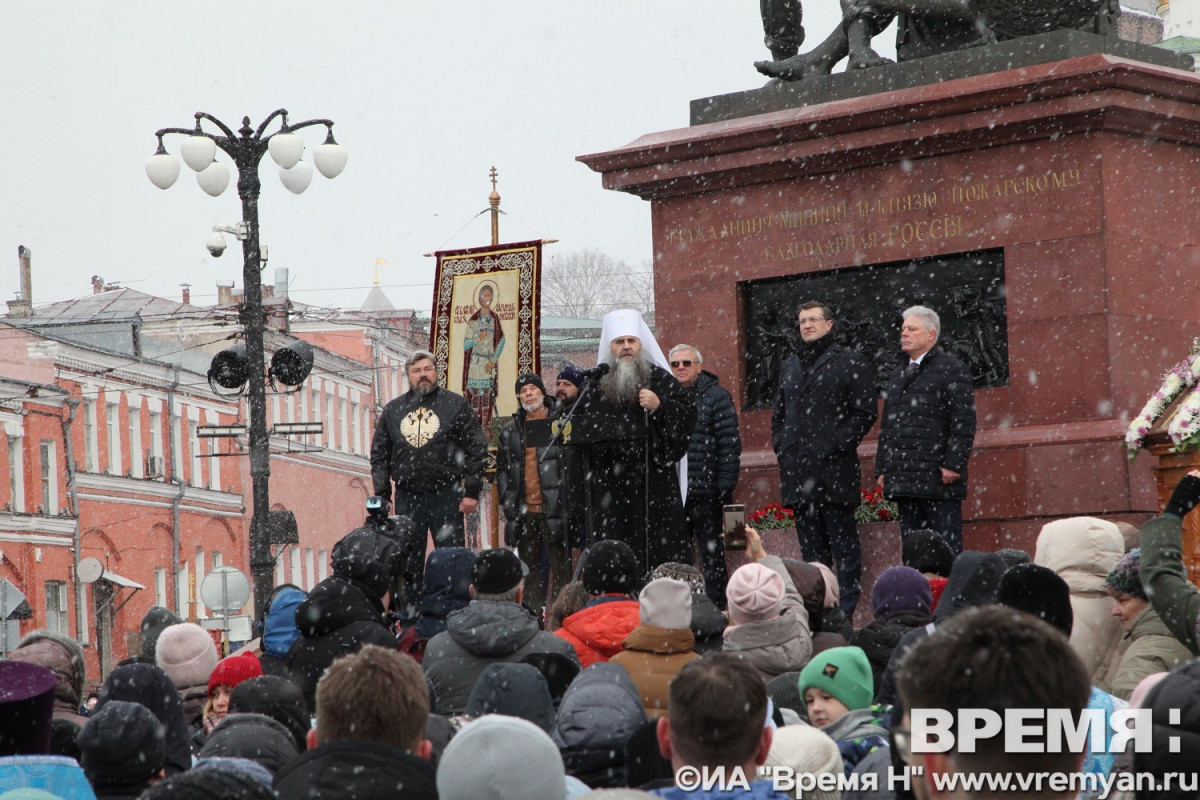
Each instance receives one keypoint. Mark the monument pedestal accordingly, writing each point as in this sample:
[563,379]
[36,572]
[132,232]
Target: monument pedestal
[1081,173]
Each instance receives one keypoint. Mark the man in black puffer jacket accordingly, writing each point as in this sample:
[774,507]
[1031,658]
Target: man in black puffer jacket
[529,480]
[345,611]
[428,441]
[714,459]
[927,432]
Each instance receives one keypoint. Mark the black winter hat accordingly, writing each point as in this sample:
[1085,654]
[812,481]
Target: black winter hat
[121,743]
[207,783]
[277,698]
[149,686]
[497,570]
[253,736]
[372,557]
[157,620]
[611,567]
[528,378]
[927,551]
[1039,591]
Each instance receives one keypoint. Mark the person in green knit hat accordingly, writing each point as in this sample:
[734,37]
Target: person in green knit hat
[837,687]
[1151,648]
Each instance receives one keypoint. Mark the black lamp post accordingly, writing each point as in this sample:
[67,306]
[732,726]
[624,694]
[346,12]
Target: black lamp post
[247,149]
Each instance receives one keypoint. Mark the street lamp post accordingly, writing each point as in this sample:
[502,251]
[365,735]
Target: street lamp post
[247,149]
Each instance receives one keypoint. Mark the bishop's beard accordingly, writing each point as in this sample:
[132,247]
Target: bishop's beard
[623,382]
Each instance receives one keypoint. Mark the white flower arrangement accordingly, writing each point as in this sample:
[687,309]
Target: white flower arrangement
[1184,427]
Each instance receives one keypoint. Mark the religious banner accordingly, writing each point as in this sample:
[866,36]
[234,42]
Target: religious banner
[486,317]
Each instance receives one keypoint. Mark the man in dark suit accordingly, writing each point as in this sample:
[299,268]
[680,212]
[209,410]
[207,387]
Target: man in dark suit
[927,431]
[826,403]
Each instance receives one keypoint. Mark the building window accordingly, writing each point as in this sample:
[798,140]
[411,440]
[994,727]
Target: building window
[155,467]
[160,586]
[194,448]
[356,429]
[315,412]
[214,456]
[136,465]
[49,477]
[308,567]
[57,617]
[343,425]
[113,421]
[90,443]
[322,564]
[177,447]
[297,577]
[16,475]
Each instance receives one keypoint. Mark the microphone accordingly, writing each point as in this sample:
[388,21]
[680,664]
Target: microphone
[597,372]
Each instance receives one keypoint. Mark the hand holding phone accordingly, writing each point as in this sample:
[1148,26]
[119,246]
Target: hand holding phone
[735,520]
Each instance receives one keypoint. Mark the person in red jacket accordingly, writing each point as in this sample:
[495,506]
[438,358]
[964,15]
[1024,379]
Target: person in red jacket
[598,630]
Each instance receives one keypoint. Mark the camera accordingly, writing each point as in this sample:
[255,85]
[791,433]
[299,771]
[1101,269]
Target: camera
[216,244]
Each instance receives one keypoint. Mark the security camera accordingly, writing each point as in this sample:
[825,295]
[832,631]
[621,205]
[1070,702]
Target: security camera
[216,244]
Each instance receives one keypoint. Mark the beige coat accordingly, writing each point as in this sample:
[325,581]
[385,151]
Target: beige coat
[652,657]
[1082,550]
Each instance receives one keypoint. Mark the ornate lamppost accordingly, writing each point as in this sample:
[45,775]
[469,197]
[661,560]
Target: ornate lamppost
[246,148]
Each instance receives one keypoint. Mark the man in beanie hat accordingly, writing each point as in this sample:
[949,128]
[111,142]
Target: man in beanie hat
[494,627]
[566,390]
[837,687]
[345,611]
[768,622]
[122,750]
[157,620]
[611,576]
[1039,591]
[657,649]
[529,478]
[1151,648]
[900,602]
[188,654]
[149,686]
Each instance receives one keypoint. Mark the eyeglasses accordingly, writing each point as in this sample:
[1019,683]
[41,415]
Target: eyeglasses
[681,364]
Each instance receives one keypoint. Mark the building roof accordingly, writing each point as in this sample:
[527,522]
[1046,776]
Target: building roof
[376,302]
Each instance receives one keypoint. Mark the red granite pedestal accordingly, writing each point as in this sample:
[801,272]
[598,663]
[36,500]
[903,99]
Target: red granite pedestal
[1084,171]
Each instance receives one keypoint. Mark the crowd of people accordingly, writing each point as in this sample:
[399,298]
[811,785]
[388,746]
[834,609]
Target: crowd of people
[650,670]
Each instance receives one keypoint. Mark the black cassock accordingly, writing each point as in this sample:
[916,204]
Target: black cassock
[619,479]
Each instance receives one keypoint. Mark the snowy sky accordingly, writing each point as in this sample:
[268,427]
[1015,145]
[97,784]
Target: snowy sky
[426,96]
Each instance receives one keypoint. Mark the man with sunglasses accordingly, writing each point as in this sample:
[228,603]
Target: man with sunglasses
[714,459]
[825,404]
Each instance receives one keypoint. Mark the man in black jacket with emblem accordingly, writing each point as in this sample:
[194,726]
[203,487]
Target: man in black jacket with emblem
[826,403]
[530,480]
[430,443]
[714,459]
[927,431]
